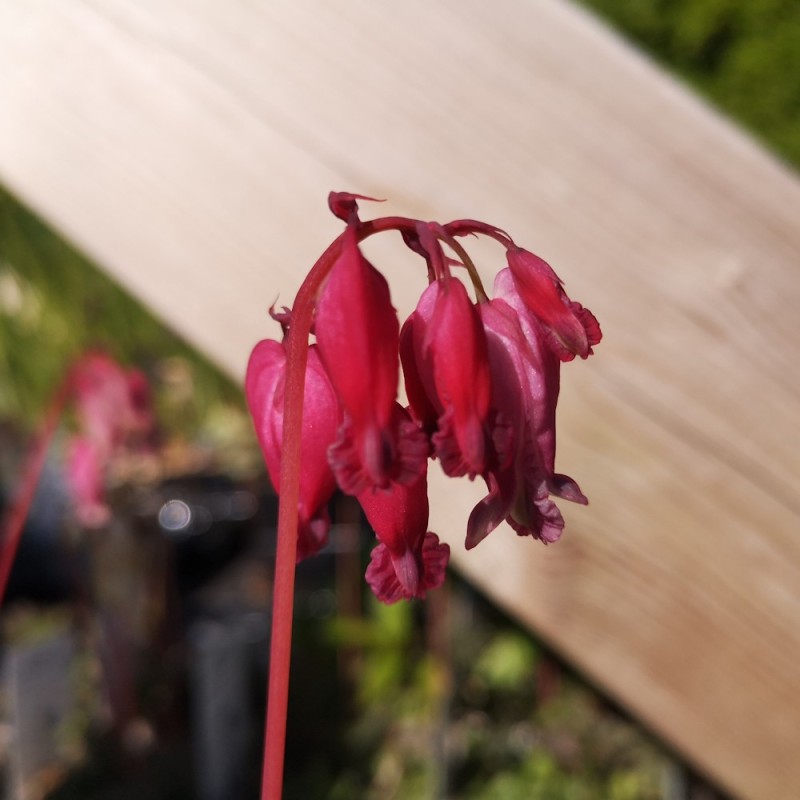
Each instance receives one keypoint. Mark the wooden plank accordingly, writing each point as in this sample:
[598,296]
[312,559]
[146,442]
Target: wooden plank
[188,147]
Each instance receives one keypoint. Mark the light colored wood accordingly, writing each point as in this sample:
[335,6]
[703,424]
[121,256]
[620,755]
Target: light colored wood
[188,147]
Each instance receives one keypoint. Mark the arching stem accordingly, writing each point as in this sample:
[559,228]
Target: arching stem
[286,551]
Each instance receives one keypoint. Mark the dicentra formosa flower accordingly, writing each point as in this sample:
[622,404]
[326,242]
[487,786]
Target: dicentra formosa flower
[481,380]
[265,386]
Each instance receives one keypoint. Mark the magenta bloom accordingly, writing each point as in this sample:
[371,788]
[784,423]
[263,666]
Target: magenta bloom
[358,337]
[86,482]
[417,361]
[461,375]
[574,328]
[525,376]
[104,400]
[447,372]
[481,377]
[264,388]
[114,411]
[409,560]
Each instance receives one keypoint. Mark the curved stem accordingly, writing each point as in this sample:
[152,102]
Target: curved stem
[472,270]
[13,522]
[286,553]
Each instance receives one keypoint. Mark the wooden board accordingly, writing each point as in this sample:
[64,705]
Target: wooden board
[188,147]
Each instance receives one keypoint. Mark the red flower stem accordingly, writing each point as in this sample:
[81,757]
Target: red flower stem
[14,520]
[286,551]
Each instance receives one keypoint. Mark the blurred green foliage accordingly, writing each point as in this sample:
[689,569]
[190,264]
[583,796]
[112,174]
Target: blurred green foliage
[743,56]
[474,718]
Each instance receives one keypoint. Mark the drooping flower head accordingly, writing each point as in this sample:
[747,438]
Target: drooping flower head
[525,375]
[481,378]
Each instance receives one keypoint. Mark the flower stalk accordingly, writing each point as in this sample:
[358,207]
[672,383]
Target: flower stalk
[286,550]
[114,416]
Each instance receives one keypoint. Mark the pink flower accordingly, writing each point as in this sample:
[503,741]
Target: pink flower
[573,328]
[447,372]
[102,398]
[264,388]
[86,483]
[417,360]
[358,337]
[481,378]
[114,411]
[525,373]
[409,560]
[463,384]
[113,404]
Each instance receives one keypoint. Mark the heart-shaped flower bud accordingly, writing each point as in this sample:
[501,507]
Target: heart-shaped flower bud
[573,328]
[358,337]
[448,381]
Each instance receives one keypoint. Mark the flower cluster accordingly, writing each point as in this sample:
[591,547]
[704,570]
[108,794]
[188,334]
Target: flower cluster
[114,412]
[481,379]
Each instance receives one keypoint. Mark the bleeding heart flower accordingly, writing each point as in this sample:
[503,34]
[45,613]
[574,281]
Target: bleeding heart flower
[86,482]
[482,386]
[481,378]
[115,416]
[358,337]
[102,398]
[574,328]
[525,375]
[448,376]
[264,388]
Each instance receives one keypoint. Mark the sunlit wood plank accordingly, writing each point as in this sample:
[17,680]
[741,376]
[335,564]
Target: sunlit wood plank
[188,148]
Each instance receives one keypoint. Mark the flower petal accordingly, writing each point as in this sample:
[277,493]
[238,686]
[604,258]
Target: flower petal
[355,463]
[409,560]
[525,382]
[494,508]
[537,365]
[418,373]
[86,483]
[574,329]
[358,338]
[103,399]
[398,578]
[264,388]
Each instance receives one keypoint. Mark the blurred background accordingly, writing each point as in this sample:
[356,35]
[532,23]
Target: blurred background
[135,656]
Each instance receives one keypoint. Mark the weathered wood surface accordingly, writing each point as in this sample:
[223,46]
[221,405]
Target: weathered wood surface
[188,147]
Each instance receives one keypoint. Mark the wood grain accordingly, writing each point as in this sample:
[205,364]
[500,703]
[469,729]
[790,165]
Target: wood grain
[188,147]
